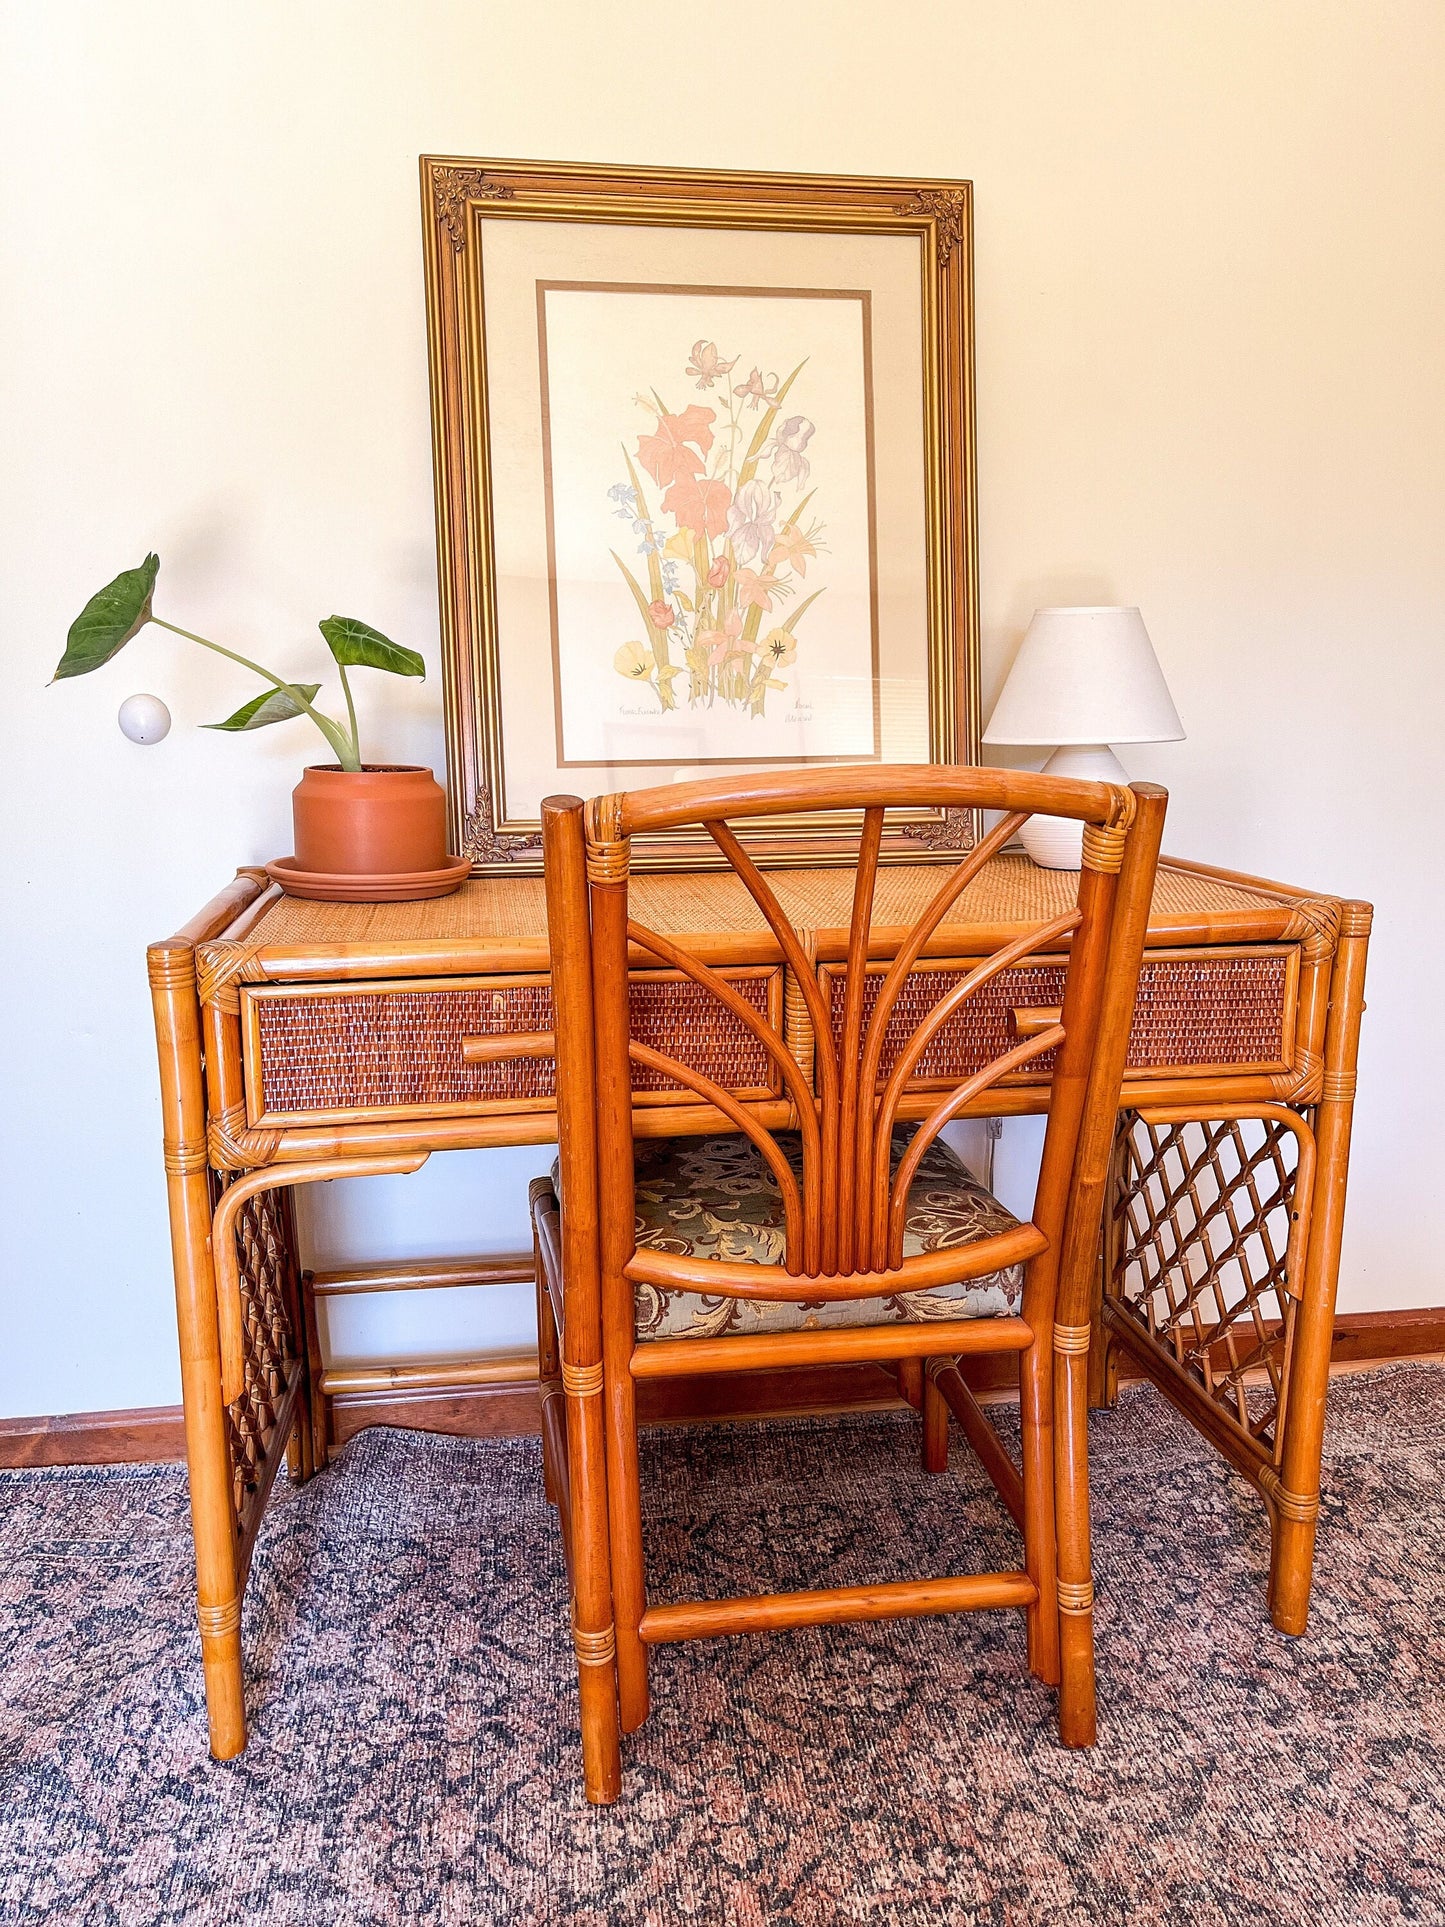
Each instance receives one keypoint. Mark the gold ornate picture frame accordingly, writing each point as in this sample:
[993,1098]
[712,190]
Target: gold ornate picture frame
[705,488]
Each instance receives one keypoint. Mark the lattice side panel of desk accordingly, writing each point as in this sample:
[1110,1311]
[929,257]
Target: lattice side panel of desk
[1196,1255]
[271,1349]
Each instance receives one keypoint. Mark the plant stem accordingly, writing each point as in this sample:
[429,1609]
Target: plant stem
[351,712]
[345,752]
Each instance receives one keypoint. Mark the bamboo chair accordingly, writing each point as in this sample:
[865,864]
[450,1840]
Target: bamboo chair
[832,1207]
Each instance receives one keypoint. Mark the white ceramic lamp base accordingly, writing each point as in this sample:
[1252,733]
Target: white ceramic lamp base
[1057,842]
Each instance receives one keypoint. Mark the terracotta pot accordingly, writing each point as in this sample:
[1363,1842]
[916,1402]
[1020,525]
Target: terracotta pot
[382,820]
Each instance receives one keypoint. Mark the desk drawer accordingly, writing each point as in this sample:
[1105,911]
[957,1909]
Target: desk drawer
[1197,1012]
[384,1050]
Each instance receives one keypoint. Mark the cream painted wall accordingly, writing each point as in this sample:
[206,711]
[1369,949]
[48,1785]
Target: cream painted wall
[1211,304]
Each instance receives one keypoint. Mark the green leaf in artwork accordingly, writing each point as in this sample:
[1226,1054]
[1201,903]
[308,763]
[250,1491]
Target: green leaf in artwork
[271,706]
[792,520]
[806,603]
[109,620]
[637,596]
[765,427]
[354,644]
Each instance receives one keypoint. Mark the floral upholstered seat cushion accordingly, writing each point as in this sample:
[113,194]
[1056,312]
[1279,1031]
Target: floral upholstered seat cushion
[714,1197]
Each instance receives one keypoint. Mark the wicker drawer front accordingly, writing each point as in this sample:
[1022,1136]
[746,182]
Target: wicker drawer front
[395,1049]
[1196,1012]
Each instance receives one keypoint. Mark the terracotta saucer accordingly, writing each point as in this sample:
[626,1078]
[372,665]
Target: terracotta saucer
[321,887]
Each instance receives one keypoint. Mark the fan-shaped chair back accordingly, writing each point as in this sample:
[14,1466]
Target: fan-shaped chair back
[845,1209]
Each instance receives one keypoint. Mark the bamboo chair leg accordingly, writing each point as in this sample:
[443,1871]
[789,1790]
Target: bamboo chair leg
[300,1452]
[549,1366]
[935,1426]
[592,1633]
[910,1381]
[1037,1441]
[1075,1589]
[318,1405]
[629,1585]
[1104,1374]
[1103,1357]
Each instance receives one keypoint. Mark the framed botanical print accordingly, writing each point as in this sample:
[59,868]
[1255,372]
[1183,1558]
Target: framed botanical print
[705,488]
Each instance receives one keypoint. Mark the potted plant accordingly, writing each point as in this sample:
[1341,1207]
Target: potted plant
[363,830]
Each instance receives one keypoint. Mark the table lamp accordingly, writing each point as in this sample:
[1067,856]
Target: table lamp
[1082,679]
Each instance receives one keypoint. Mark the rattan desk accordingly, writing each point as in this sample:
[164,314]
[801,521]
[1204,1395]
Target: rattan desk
[302,1041]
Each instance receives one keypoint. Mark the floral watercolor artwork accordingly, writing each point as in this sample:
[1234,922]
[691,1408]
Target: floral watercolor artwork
[708,492]
[720,499]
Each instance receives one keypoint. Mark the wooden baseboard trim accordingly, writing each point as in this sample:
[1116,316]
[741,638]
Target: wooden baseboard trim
[1378,1336]
[148,1435]
[153,1434]
[496,1411]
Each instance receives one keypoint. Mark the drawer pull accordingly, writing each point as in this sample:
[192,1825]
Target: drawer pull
[1032,1019]
[517,1043]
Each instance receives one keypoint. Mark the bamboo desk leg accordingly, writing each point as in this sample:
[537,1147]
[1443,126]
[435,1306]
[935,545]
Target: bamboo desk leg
[188,1186]
[1295,1495]
[212,1318]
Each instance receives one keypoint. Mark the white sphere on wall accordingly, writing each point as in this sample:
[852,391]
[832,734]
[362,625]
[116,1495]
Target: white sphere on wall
[144,719]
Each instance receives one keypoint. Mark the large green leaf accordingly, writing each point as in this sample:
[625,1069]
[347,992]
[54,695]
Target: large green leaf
[354,644]
[109,620]
[797,615]
[654,567]
[643,607]
[271,706]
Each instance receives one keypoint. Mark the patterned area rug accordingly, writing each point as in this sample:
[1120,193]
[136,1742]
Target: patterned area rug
[414,1755]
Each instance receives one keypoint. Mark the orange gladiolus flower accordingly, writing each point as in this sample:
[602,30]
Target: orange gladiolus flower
[679,445]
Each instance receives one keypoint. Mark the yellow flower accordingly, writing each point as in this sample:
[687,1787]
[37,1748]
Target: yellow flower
[778,647]
[679,545]
[634,662]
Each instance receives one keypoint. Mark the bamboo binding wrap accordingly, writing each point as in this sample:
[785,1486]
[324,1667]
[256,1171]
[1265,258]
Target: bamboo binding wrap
[594,1649]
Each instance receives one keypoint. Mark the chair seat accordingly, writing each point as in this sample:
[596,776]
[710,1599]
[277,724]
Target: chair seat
[714,1197]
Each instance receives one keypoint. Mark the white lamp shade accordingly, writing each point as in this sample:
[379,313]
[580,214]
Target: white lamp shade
[1085,676]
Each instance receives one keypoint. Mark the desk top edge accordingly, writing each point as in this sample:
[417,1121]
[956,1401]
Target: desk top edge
[1194,903]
